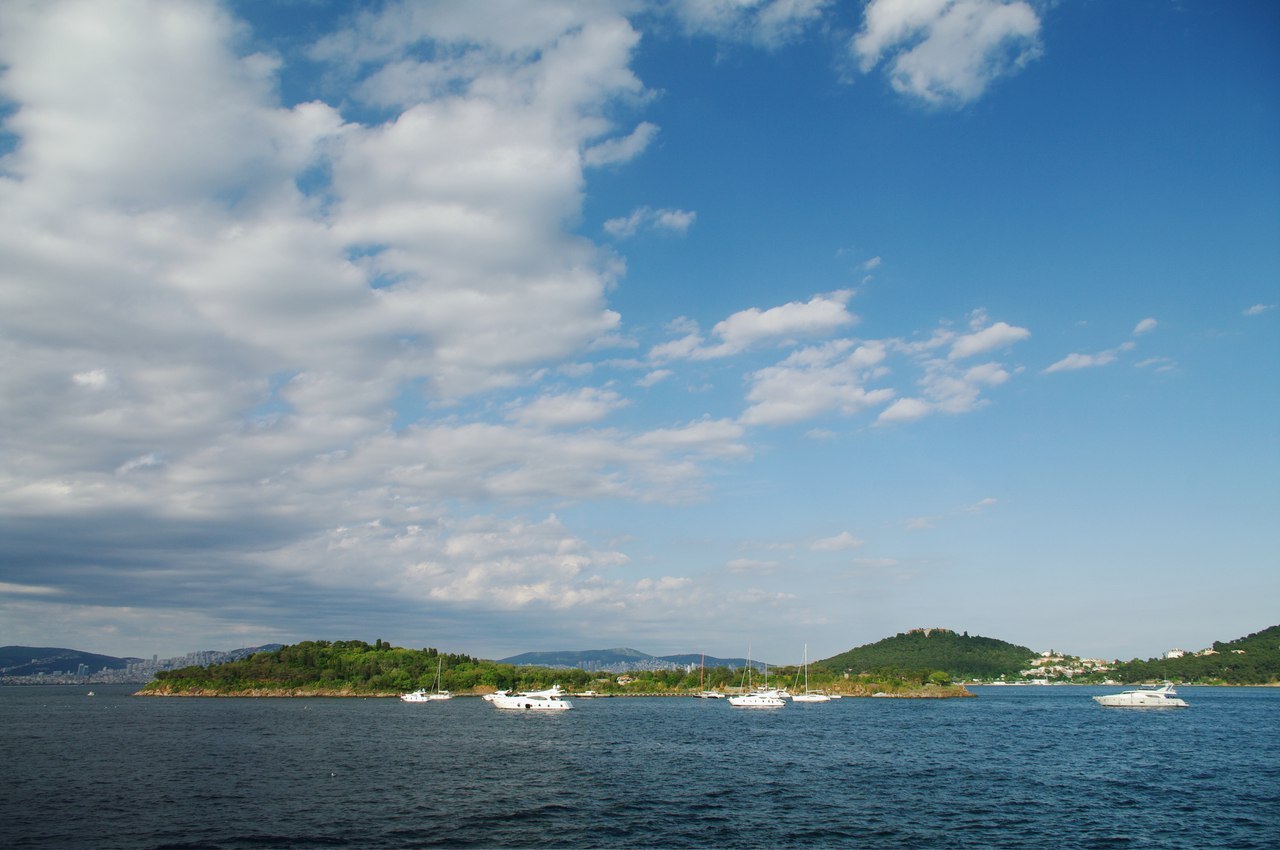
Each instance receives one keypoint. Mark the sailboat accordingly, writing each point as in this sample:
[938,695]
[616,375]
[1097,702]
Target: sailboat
[423,695]
[808,695]
[765,697]
[702,692]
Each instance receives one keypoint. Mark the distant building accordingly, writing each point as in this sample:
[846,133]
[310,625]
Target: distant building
[1175,653]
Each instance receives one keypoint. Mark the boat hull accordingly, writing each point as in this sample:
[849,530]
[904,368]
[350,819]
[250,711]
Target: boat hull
[1165,697]
[519,702]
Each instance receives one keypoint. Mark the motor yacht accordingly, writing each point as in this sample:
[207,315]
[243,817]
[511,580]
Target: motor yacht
[1162,697]
[552,699]
[769,698]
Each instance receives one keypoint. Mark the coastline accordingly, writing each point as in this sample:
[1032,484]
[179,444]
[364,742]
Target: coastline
[950,692]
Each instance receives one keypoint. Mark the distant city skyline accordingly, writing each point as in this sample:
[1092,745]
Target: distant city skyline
[689,326]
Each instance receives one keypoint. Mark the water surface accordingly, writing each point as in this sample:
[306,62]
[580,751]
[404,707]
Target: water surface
[1016,767]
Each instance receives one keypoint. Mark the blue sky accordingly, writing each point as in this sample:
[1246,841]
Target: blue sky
[687,326]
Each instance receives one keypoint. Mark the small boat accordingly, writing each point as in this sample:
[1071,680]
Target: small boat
[808,695]
[423,695]
[703,693]
[89,694]
[1162,697]
[587,695]
[552,699]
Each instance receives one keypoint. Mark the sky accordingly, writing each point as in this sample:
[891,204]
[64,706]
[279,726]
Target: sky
[723,326]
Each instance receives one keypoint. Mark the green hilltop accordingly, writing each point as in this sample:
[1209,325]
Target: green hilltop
[1250,660]
[959,655]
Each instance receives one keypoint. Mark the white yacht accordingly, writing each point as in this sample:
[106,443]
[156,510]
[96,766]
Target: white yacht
[758,697]
[1162,697]
[767,698]
[710,695]
[552,699]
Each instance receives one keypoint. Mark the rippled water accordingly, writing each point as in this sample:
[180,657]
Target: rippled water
[1017,767]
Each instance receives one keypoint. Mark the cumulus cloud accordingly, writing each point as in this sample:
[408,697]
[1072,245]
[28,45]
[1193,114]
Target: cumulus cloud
[947,52]
[812,381]
[252,328]
[1145,326]
[1258,309]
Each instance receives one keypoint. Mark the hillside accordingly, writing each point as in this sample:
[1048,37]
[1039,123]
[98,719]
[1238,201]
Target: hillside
[959,655]
[1250,660]
[33,660]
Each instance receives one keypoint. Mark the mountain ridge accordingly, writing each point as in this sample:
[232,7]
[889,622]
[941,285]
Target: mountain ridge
[619,659]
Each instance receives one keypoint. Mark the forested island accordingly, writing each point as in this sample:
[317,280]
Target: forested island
[356,668]
[918,663]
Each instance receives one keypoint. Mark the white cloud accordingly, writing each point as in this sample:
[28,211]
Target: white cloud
[1145,326]
[749,566]
[614,151]
[767,23]
[819,316]
[205,350]
[581,407]
[947,52]
[646,218]
[1076,361]
[999,335]
[9,588]
[829,378]
[839,543]
[656,376]
[1258,309]
[905,410]
[1158,364]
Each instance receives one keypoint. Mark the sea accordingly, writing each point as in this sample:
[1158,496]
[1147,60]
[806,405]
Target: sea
[1016,767]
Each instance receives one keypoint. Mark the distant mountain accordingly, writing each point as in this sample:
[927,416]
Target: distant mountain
[18,662]
[618,660]
[33,660]
[960,655]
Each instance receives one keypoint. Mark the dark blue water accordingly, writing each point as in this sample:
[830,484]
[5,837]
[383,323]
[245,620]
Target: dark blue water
[1016,767]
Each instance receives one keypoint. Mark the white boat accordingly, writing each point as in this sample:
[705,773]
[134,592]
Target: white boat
[1162,697]
[549,700]
[710,695]
[765,697]
[808,695]
[423,695]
